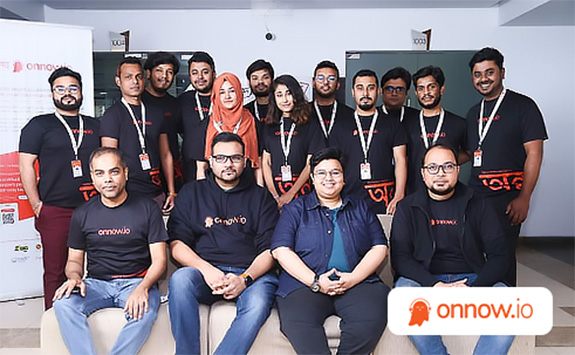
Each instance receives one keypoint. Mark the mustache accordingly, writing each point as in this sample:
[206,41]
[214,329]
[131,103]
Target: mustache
[365,98]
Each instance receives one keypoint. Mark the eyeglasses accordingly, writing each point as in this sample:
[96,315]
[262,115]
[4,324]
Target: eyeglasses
[433,169]
[322,77]
[322,174]
[397,89]
[222,159]
[61,89]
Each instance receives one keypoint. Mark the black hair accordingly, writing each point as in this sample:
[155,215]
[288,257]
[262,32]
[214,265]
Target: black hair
[326,64]
[397,73]
[487,53]
[64,71]
[158,58]
[435,72]
[128,60]
[325,154]
[362,73]
[225,137]
[301,111]
[202,57]
[98,152]
[443,146]
[259,65]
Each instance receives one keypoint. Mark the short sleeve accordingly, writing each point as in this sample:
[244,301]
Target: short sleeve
[286,229]
[315,138]
[400,134]
[109,124]
[31,138]
[156,227]
[532,123]
[76,238]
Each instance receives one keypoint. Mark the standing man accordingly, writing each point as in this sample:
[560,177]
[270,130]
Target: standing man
[375,149]
[327,110]
[260,75]
[432,125]
[124,239]
[444,235]
[194,110]
[161,69]
[61,143]
[224,247]
[135,129]
[395,84]
[505,134]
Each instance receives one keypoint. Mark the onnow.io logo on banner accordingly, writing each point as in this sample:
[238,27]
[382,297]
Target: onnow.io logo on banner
[470,311]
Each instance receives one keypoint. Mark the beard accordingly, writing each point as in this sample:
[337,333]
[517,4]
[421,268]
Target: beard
[68,107]
[443,192]
[261,93]
[366,106]
[325,95]
[433,104]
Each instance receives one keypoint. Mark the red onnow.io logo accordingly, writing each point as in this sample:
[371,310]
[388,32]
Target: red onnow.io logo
[470,311]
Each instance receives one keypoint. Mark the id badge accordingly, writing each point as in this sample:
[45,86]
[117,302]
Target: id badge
[286,173]
[365,170]
[76,168]
[477,158]
[145,161]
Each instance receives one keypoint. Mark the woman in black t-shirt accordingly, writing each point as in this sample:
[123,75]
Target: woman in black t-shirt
[289,140]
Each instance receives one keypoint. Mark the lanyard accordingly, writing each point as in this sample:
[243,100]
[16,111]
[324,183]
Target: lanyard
[218,126]
[256,110]
[437,129]
[327,131]
[483,131]
[364,145]
[75,145]
[286,145]
[384,109]
[141,131]
[201,109]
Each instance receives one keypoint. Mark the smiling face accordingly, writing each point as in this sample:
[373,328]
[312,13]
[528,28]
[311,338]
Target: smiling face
[109,178]
[328,179]
[488,79]
[202,77]
[131,80]
[440,186]
[284,99]
[161,77]
[67,94]
[428,92]
[325,82]
[228,96]
[260,82]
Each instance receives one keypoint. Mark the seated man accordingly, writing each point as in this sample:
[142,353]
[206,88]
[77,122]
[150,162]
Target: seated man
[124,237]
[220,232]
[446,236]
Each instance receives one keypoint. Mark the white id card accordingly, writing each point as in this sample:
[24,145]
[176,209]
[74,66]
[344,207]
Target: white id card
[365,171]
[477,158]
[145,161]
[286,173]
[76,168]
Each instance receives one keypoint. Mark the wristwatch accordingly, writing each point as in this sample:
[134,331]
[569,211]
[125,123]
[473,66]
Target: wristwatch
[314,287]
[247,279]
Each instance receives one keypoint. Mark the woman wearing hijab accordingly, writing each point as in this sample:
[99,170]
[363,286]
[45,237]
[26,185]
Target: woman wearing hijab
[289,140]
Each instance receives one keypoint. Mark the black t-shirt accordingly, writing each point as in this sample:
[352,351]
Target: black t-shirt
[46,137]
[307,139]
[388,133]
[343,113]
[448,257]
[407,112]
[117,123]
[117,239]
[260,118]
[192,127]
[517,121]
[453,133]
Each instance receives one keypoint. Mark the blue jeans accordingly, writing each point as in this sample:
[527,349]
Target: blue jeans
[72,314]
[432,344]
[188,289]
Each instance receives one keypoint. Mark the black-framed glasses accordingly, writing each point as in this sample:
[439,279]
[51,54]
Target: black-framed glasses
[330,78]
[322,174]
[391,89]
[433,169]
[222,159]
[61,89]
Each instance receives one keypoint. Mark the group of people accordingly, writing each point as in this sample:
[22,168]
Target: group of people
[278,182]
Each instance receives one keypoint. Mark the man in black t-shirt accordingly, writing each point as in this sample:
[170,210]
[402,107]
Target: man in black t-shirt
[373,147]
[260,75]
[124,239]
[327,111]
[395,84]
[61,144]
[161,69]
[505,132]
[137,129]
[220,233]
[194,110]
[444,236]
[432,125]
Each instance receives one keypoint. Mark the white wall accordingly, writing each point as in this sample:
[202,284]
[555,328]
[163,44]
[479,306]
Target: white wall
[539,62]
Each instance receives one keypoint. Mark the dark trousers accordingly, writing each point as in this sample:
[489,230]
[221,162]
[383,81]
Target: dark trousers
[53,225]
[500,203]
[363,313]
